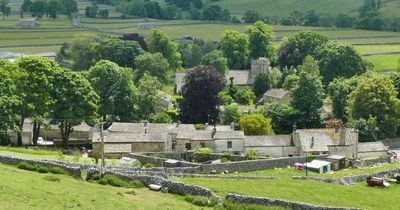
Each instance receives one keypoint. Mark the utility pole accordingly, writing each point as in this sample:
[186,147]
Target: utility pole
[102,148]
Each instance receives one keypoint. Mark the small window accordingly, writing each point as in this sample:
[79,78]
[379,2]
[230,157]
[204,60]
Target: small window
[229,144]
[202,144]
[173,144]
[188,146]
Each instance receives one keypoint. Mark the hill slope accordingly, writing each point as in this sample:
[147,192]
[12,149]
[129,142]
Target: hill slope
[283,8]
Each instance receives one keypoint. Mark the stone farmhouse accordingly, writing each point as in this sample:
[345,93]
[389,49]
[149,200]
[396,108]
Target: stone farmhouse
[124,138]
[240,77]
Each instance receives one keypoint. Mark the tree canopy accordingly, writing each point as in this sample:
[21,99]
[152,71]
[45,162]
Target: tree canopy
[216,58]
[159,42]
[235,47]
[261,41]
[200,95]
[256,124]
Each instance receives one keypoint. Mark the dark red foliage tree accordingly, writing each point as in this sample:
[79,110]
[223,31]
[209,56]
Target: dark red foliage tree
[200,95]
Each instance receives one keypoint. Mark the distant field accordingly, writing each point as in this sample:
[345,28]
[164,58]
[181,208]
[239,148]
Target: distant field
[52,33]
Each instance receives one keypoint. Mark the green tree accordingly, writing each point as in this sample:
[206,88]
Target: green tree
[308,98]
[339,90]
[159,42]
[114,85]
[256,125]
[68,7]
[154,64]
[35,84]
[213,12]
[38,8]
[283,116]
[9,99]
[376,97]
[290,82]
[147,99]
[53,9]
[310,66]
[251,16]
[26,7]
[75,101]
[235,47]
[261,41]
[275,77]
[231,114]
[396,82]
[200,95]
[341,60]
[118,51]
[82,51]
[262,84]
[245,96]
[161,118]
[294,49]
[4,8]
[216,58]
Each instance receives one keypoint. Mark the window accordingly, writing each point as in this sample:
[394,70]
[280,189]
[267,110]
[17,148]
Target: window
[188,146]
[202,144]
[173,144]
[229,144]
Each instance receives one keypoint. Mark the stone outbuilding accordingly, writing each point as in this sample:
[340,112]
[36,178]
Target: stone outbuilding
[276,95]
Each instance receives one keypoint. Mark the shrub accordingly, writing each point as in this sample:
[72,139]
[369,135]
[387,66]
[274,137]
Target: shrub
[149,165]
[57,170]
[52,178]
[26,166]
[225,98]
[4,139]
[256,124]
[201,201]
[203,154]
[161,118]
[200,126]
[245,96]
[227,155]
[113,180]
[130,192]
[77,155]
[135,184]
[60,155]
[42,169]
[95,177]
[252,155]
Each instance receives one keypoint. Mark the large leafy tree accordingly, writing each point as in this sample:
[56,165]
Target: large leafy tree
[114,85]
[256,124]
[308,97]
[294,49]
[235,47]
[341,60]
[338,91]
[75,102]
[159,42]
[147,100]
[200,95]
[9,99]
[4,8]
[82,51]
[376,97]
[262,83]
[283,116]
[119,51]
[68,7]
[216,58]
[153,64]
[231,114]
[35,84]
[261,41]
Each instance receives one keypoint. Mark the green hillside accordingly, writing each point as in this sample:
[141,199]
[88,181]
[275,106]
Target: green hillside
[282,8]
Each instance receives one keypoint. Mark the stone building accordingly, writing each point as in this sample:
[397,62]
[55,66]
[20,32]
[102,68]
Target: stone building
[276,95]
[272,145]
[28,22]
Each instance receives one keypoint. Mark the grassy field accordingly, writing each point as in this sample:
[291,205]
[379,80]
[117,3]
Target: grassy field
[284,187]
[284,8]
[21,189]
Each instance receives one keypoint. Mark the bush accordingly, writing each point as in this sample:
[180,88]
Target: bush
[112,180]
[57,170]
[225,98]
[77,155]
[135,184]
[245,96]
[256,124]
[149,165]
[200,126]
[227,155]
[42,169]
[252,155]
[95,177]
[161,118]
[52,178]
[201,201]
[4,139]
[60,155]
[203,154]
[26,166]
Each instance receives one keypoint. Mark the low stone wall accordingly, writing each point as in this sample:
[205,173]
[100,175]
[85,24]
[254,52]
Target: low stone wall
[252,165]
[369,162]
[281,203]
[184,189]
[72,168]
[349,180]
[157,161]
[224,177]
[392,143]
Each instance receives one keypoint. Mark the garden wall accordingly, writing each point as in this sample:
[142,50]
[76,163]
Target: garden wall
[369,162]
[281,203]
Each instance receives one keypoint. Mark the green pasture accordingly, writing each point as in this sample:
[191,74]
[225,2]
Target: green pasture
[21,189]
[385,63]
[375,49]
[284,187]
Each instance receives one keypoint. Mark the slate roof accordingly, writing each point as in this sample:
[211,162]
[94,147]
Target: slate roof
[195,135]
[267,141]
[151,127]
[220,135]
[118,137]
[371,147]
[276,93]
[320,144]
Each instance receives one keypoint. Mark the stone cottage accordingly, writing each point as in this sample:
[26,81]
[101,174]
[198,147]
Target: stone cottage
[276,95]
